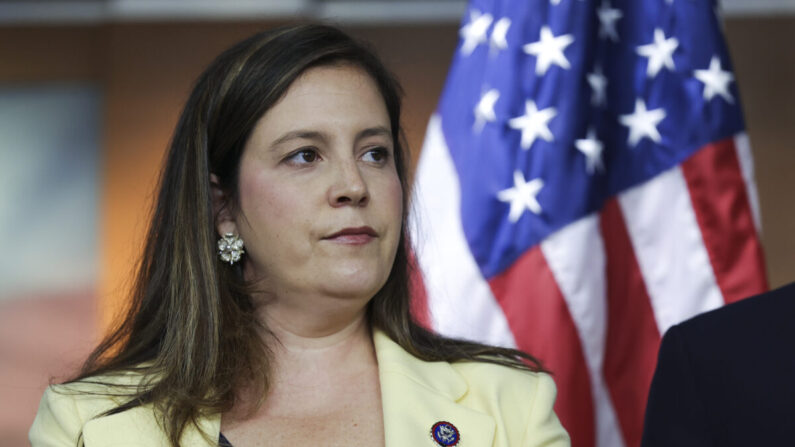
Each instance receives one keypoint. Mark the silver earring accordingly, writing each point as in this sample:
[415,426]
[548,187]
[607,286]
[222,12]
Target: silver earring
[230,248]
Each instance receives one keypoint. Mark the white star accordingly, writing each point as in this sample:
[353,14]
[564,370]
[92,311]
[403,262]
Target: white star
[533,124]
[607,20]
[484,111]
[660,53]
[474,32]
[549,49]
[643,123]
[498,33]
[522,196]
[716,81]
[554,2]
[598,83]
[592,148]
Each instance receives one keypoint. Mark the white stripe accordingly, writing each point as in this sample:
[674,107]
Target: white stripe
[459,299]
[743,145]
[669,247]
[576,257]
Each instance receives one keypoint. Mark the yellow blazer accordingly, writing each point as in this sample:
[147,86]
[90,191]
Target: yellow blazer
[490,405]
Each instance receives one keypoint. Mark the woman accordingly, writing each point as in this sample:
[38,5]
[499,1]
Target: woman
[288,161]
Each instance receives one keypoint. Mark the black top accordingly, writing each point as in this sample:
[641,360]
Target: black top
[727,377]
[223,442]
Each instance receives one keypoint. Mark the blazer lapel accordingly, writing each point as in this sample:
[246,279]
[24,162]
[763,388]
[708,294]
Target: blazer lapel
[415,395]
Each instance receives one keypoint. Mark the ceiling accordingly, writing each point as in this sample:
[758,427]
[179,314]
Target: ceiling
[18,12]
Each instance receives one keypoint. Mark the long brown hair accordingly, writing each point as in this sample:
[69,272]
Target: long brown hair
[191,329]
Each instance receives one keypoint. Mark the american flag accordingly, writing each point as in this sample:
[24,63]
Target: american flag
[586,183]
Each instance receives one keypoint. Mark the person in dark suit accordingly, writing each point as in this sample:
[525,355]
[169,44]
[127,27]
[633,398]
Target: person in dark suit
[727,377]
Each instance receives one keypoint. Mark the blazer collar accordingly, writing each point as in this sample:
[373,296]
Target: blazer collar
[415,395]
[139,428]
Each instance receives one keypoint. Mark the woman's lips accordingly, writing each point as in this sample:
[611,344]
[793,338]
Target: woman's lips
[353,236]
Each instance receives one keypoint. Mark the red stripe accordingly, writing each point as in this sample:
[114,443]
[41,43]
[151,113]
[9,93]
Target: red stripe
[632,334]
[723,212]
[541,324]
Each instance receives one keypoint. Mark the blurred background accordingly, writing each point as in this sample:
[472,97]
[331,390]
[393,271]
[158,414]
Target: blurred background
[91,90]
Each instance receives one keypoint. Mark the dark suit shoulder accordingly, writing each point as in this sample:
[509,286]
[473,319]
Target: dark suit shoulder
[724,378]
[763,313]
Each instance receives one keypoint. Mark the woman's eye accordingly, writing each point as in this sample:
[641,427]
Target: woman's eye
[376,155]
[303,156]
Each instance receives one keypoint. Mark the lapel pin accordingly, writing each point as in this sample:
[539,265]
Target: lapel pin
[445,434]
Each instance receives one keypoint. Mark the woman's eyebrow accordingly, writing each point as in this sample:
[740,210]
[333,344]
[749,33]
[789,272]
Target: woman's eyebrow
[299,134]
[374,132]
[303,134]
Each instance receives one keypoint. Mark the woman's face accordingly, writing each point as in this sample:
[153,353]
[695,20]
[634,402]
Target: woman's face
[320,201]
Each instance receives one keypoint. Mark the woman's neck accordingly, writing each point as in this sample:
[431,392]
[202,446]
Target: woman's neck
[312,330]
[293,338]
[303,355]
[317,378]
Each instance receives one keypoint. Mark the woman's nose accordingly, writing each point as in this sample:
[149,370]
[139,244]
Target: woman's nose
[349,187]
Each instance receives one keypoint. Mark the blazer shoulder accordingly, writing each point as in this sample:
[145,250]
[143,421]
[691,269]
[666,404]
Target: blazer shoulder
[66,408]
[523,399]
[500,378]
[508,385]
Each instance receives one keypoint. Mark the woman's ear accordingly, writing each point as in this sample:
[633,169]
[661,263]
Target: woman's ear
[224,221]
